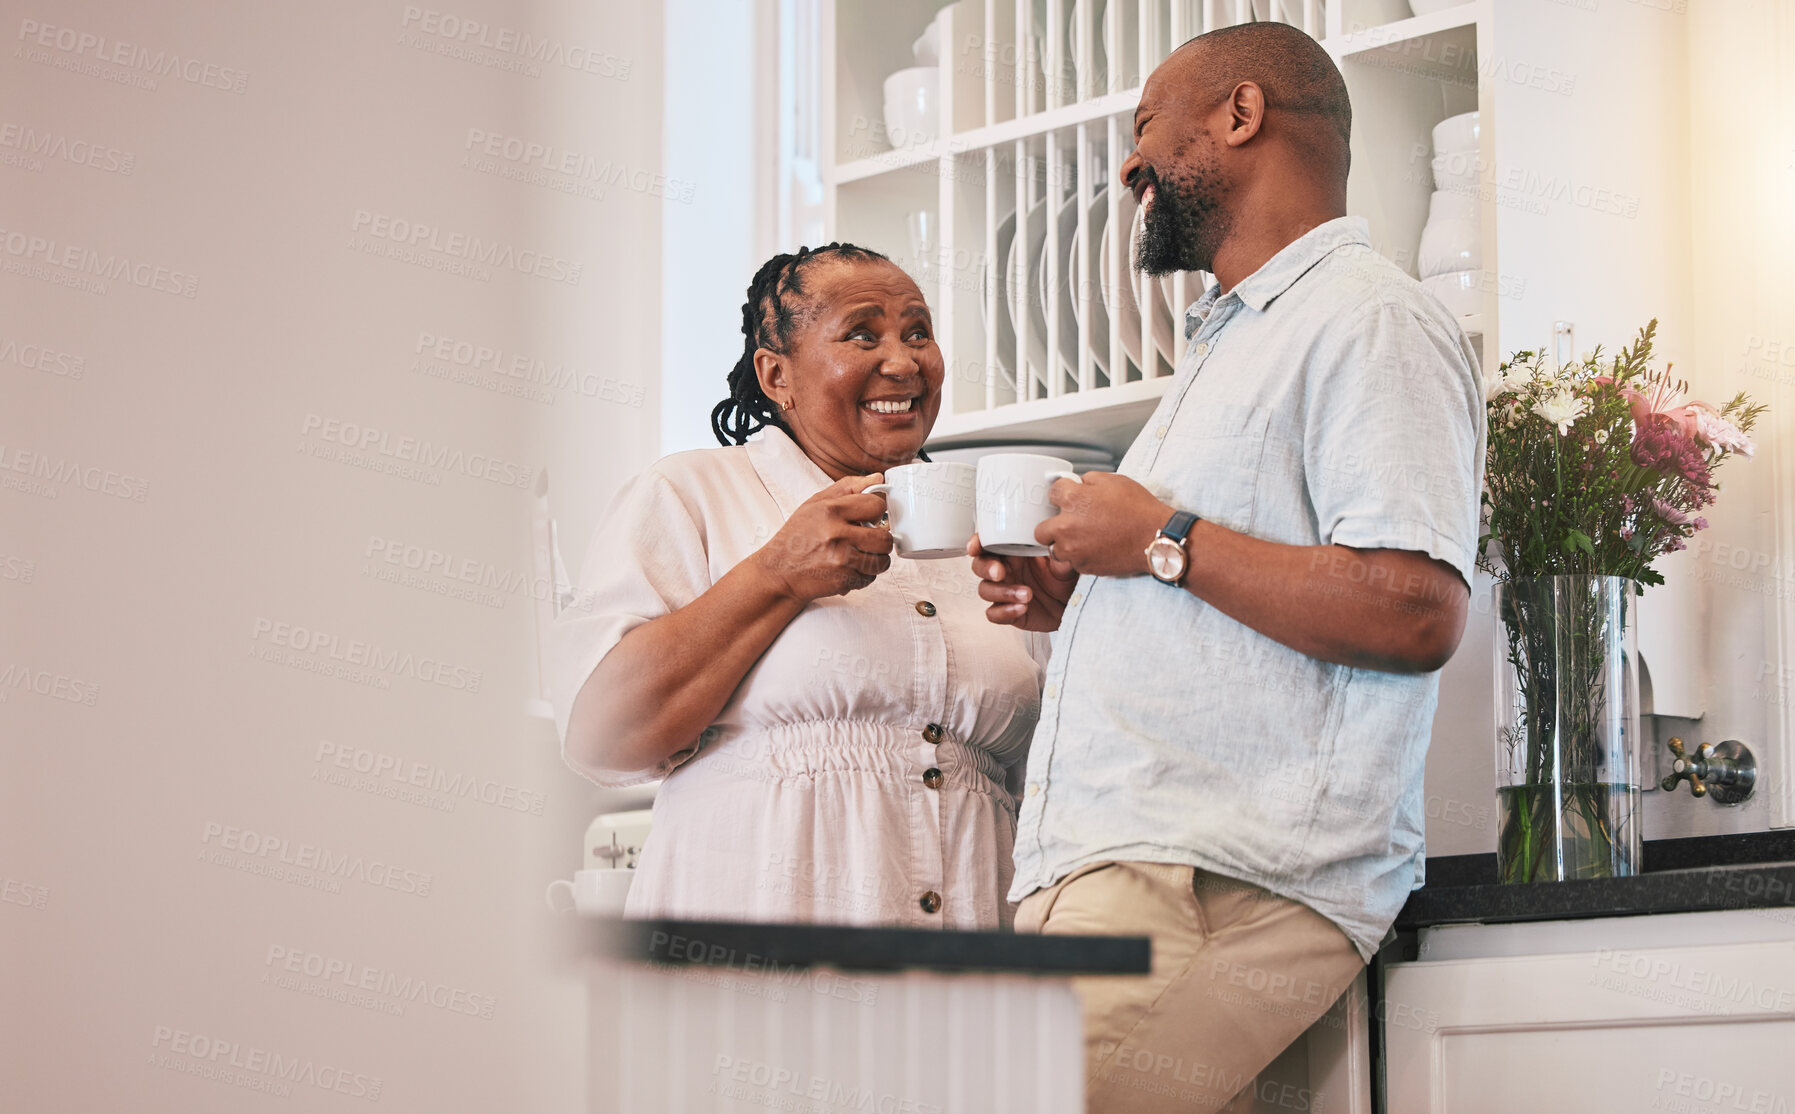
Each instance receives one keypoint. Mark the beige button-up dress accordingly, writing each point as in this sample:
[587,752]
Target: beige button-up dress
[867,769]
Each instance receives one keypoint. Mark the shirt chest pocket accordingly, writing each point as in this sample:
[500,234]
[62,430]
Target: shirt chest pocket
[1211,461]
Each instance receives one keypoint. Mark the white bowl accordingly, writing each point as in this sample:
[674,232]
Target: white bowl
[1448,244]
[1456,133]
[1458,171]
[1459,291]
[1429,7]
[912,107]
[1447,205]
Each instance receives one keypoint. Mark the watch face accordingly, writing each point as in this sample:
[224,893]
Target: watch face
[1166,559]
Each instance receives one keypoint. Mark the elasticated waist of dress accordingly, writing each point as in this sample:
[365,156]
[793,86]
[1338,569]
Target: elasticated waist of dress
[820,748]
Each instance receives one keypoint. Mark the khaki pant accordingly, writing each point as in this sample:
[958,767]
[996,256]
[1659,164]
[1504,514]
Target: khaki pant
[1238,974]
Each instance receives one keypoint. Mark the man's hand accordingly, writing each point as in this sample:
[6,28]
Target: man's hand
[1105,524]
[1025,592]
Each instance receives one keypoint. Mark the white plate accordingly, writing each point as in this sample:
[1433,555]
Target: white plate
[1068,353]
[1122,297]
[1006,329]
[1090,23]
[1127,58]
[1032,352]
[1073,302]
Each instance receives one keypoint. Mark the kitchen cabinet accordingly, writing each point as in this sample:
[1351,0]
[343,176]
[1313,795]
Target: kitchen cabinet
[1035,123]
[1681,1012]
[1668,990]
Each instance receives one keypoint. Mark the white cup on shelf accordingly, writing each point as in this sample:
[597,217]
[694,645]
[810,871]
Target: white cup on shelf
[1461,292]
[932,508]
[912,106]
[1456,133]
[592,892]
[1457,171]
[1447,205]
[1012,500]
[1449,244]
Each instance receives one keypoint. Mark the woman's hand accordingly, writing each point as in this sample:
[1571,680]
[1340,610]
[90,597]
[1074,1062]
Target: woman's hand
[1025,592]
[825,548]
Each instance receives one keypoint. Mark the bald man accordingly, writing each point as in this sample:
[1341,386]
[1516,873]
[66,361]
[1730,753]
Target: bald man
[1251,613]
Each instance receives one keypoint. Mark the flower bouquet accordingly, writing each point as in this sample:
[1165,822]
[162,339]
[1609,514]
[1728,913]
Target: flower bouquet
[1594,469]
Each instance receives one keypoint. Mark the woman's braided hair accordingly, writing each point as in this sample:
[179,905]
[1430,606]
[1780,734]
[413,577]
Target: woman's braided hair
[774,306]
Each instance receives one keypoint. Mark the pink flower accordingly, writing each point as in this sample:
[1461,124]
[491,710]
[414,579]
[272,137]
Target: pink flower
[1718,432]
[1669,513]
[1661,444]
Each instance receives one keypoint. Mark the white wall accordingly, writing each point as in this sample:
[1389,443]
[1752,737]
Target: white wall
[1623,197]
[717,129]
[161,752]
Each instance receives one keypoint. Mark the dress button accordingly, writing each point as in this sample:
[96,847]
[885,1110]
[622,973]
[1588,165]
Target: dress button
[1033,790]
[1203,349]
[931,777]
[925,609]
[1077,598]
[1051,691]
[931,902]
[1160,432]
[933,733]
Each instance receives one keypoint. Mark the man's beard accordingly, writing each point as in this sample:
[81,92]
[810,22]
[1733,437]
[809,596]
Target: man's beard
[1186,223]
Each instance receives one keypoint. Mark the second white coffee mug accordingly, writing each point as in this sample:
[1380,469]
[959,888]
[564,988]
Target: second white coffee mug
[1012,500]
[931,508]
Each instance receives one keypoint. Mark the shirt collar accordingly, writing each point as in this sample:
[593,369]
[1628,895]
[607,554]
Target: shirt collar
[1281,271]
[790,476]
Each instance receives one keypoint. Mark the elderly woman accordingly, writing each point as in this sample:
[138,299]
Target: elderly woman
[841,731]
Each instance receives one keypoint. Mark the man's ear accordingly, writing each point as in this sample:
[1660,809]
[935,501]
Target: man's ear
[769,369]
[1246,111]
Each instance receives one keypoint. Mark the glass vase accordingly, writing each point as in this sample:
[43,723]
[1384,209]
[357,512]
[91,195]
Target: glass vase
[1567,729]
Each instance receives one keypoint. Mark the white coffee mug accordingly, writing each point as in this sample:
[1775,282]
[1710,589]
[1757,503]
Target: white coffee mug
[592,892]
[1012,500]
[931,508]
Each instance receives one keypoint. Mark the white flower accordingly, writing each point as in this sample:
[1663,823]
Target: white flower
[1502,383]
[1561,409]
[1720,433]
[1601,437]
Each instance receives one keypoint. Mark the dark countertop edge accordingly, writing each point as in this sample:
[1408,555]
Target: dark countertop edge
[750,948]
[1688,853]
[1740,886]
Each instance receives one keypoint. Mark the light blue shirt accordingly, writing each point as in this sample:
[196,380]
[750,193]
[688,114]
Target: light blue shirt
[1326,399]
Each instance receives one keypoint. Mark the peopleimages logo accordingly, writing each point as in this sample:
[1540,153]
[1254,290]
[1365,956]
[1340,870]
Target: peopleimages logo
[416,236]
[520,374]
[31,143]
[525,48]
[40,471]
[78,48]
[359,655]
[252,1067]
[112,267]
[38,357]
[408,455]
[256,852]
[356,983]
[44,682]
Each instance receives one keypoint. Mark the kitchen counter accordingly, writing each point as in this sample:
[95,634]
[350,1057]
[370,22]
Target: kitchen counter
[755,947]
[1753,870]
[728,1016]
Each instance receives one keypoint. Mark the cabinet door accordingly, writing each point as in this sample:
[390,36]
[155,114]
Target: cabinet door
[1704,1028]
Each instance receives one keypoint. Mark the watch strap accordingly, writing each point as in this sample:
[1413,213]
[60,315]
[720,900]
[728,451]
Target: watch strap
[1178,527]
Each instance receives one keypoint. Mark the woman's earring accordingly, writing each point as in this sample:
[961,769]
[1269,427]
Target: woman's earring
[785,406]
